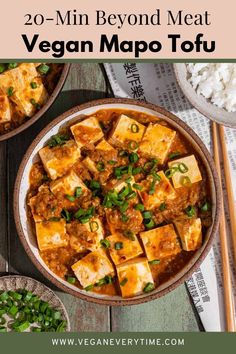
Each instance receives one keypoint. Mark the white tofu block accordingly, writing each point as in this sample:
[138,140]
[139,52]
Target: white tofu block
[160,242]
[190,233]
[51,234]
[133,276]
[84,237]
[163,192]
[68,184]
[103,145]
[130,248]
[156,142]
[125,131]
[87,132]
[20,80]
[93,267]
[5,109]
[58,160]
[193,172]
[90,165]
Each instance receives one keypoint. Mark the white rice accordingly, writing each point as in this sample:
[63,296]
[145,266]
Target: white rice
[216,82]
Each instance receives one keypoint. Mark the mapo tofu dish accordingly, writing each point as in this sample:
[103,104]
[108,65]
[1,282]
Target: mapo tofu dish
[119,202]
[24,89]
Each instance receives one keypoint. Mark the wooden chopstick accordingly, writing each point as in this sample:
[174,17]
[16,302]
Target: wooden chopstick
[228,291]
[229,188]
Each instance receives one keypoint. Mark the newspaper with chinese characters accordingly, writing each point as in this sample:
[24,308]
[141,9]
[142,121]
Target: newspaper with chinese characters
[156,83]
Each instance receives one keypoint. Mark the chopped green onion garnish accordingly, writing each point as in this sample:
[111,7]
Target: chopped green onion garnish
[2,68]
[112,162]
[12,65]
[149,223]
[119,245]
[162,206]
[78,192]
[155,261]
[206,206]
[71,198]
[133,157]
[182,167]
[171,171]
[89,287]
[139,206]
[93,226]
[185,181]
[131,195]
[134,128]
[10,91]
[71,280]
[147,214]
[57,140]
[190,211]
[136,170]
[172,155]
[148,287]
[33,85]
[105,243]
[100,166]
[123,192]
[66,215]
[149,166]
[94,184]
[123,282]
[33,102]
[43,69]
[129,234]
[137,186]
[124,207]
[124,218]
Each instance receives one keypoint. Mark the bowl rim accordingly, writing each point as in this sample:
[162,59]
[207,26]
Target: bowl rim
[198,100]
[44,109]
[150,296]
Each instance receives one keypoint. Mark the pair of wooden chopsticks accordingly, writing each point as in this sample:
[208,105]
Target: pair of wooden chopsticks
[218,132]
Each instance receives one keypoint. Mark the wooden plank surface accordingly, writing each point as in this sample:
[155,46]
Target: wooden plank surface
[171,313]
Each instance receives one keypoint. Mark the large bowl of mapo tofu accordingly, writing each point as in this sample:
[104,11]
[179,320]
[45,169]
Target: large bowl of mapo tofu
[117,201]
[27,90]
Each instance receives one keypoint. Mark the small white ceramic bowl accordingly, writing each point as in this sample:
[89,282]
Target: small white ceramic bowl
[203,105]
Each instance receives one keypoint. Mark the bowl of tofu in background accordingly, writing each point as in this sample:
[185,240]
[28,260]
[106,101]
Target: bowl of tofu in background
[210,88]
[106,230]
[27,90]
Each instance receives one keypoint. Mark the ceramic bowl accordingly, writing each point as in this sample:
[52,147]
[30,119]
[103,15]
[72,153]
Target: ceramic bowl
[22,186]
[42,110]
[202,104]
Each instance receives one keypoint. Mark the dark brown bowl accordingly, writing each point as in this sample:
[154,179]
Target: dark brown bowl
[43,110]
[27,236]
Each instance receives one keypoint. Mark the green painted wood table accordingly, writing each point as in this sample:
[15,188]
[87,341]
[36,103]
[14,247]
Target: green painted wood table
[174,312]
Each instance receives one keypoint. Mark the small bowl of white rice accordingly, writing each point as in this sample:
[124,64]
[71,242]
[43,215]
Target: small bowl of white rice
[211,88]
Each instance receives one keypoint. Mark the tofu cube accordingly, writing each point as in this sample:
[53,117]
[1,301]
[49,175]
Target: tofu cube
[105,146]
[156,142]
[20,79]
[58,160]
[129,248]
[160,242]
[133,276]
[68,184]
[193,172]
[190,233]
[125,131]
[163,191]
[87,132]
[5,109]
[84,237]
[93,267]
[51,234]
[90,165]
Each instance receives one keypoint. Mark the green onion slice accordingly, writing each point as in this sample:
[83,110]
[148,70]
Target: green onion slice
[134,128]
[148,287]
[185,181]
[119,245]
[123,282]
[129,234]
[190,211]
[162,207]
[154,261]
[105,243]
[206,206]
[172,155]
[93,226]
[133,157]
[182,167]
[170,172]
[100,166]
[78,192]
[71,280]
[71,198]
[139,206]
[133,145]
[33,85]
